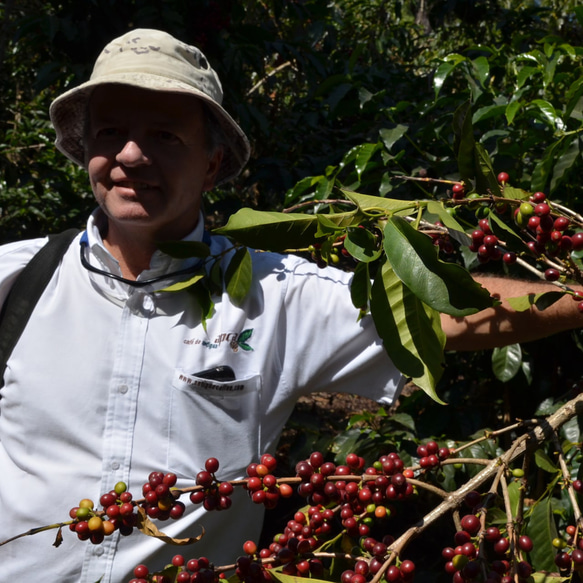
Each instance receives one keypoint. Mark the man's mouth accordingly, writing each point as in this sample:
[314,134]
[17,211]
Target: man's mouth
[133,184]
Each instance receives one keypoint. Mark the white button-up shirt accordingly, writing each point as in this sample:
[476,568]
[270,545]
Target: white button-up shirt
[103,387]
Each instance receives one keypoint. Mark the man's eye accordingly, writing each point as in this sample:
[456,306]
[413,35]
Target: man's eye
[108,132]
[169,137]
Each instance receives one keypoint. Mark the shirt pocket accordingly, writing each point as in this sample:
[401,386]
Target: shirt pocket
[211,418]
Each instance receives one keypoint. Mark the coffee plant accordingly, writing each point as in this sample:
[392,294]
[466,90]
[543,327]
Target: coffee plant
[356,522]
[508,499]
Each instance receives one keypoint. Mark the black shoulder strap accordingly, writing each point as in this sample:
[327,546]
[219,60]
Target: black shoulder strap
[27,290]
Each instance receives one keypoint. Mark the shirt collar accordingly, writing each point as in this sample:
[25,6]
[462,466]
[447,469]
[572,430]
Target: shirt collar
[160,263]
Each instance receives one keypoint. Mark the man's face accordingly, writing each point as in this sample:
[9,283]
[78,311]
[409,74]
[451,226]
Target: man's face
[147,160]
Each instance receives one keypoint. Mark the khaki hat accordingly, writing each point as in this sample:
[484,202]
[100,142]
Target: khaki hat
[154,60]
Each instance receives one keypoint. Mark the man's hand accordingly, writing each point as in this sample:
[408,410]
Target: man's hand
[502,325]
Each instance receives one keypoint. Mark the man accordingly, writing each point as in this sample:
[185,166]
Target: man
[107,382]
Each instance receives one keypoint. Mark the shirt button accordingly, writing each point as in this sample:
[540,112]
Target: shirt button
[115,466]
[98,551]
[148,304]
[123,389]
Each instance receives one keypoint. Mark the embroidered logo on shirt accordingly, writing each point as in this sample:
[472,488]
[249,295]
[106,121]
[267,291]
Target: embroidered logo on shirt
[236,341]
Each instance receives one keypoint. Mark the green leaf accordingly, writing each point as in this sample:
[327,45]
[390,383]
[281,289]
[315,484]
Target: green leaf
[238,275]
[362,244]
[391,136]
[437,208]
[446,287]
[549,112]
[486,178]
[506,234]
[482,69]
[184,284]
[543,461]
[360,288]
[515,193]
[276,231]
[464,142]
[541,301]
[546,578]
[511,110]
[363,155]
[542,170]
[276,574]
[326,226]
[411,333]
[368,203]
[202,296]
[506,362]
[542,530]
[565,162]
[184,249]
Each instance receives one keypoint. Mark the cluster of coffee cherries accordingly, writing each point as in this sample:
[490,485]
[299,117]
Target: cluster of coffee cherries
[376,553]
[160,501]
[569,548]
[192,571]
[262,485]
[430,454]
[466,561]
[213,495]
[117,514]
[547,232]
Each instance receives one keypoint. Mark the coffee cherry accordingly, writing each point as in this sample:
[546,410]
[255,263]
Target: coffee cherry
[458,191]
[204,479]
[141,571]
[525,543]
[509,257]
[552,274]
[250,547]
[538,197]
[577,240]
[503,178]
[211,465]
[470,523]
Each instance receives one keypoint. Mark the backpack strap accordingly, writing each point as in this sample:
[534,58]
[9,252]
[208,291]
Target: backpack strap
[26,291]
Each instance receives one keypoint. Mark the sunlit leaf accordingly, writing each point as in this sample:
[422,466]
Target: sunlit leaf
[184,284]
[391,136]
[541,301]
[506,361]
[238,275]
[411,333]
[368,203]
[446,287]
[276,231]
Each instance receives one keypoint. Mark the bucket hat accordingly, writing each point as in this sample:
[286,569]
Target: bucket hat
[154,60]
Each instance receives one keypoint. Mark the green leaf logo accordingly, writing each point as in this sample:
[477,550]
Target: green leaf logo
[241,341]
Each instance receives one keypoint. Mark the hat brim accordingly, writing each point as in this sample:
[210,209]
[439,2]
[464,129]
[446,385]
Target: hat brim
[68,114]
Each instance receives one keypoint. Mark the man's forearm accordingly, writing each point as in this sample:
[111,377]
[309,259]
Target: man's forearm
[502,325]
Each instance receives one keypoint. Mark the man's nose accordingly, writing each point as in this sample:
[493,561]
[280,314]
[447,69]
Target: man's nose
[132,154]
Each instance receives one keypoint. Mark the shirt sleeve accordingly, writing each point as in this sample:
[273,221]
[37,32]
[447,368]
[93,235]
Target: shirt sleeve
[332,349]
[13,259]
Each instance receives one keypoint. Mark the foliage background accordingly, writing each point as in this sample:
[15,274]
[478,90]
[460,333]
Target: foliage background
[351,92]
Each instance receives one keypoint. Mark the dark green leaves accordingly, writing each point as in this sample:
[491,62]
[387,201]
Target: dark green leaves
[276,231]
[446,287]
[411,331]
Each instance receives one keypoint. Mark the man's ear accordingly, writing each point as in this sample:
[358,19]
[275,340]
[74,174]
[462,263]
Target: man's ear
[212,170]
